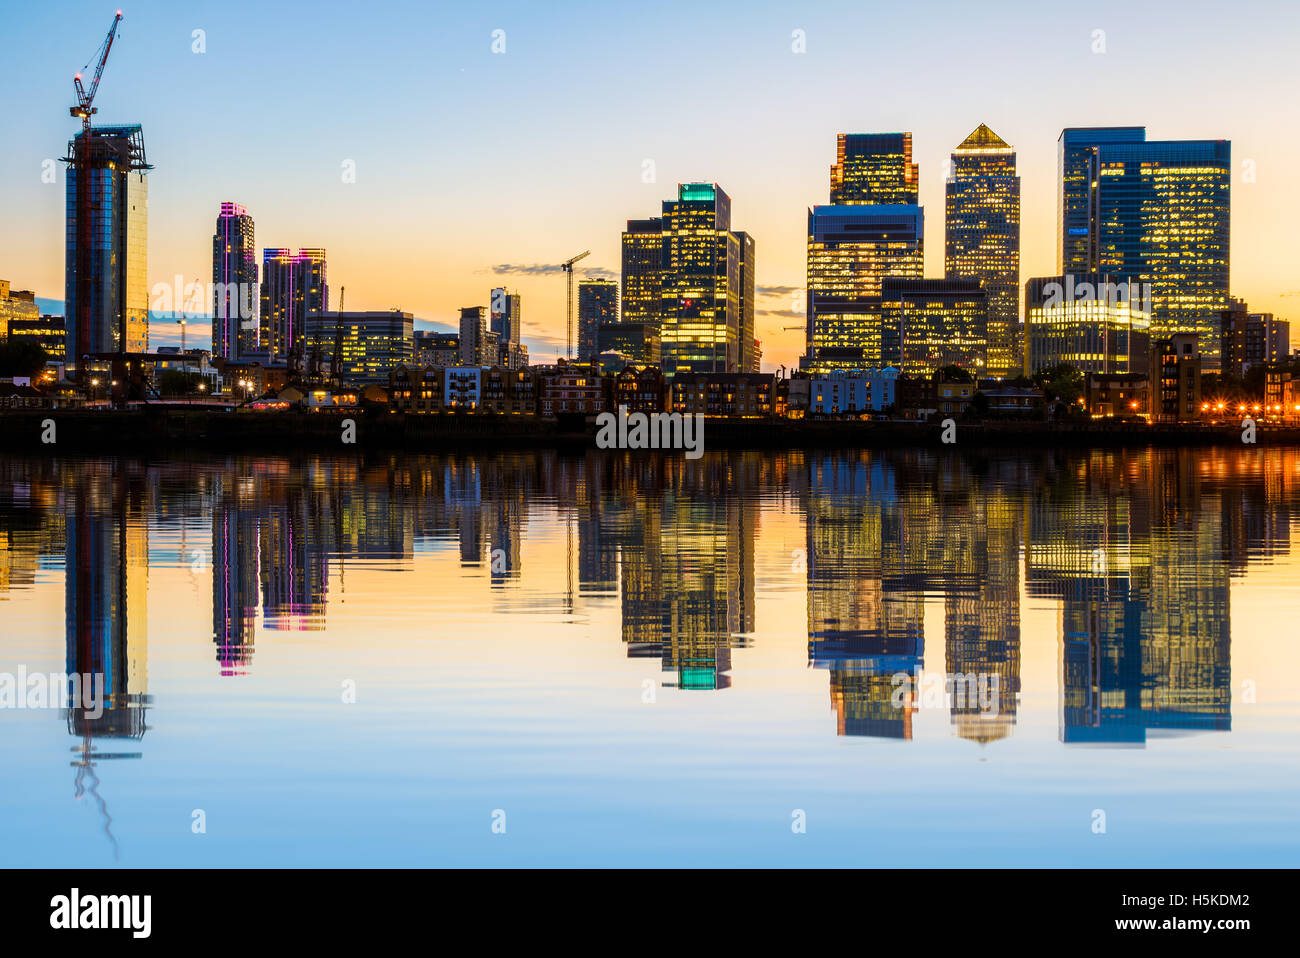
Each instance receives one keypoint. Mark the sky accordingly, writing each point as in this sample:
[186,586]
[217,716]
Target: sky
[475,168]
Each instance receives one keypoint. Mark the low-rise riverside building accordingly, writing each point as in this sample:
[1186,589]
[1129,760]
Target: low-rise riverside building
[851,392]
[569,387]
[734,395]
[1107,395]
[640,389]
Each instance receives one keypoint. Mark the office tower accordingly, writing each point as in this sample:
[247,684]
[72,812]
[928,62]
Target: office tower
[597,304]
[1152,212]
[1090,321]
[1077,236]
[642,270]
[982,241]
[293,285]
[750,359]
[874,169]
[927,324]
[369,345]
[701,297]
[473,335]
[1251,339]
[851,249]
[106,293]
[235,295]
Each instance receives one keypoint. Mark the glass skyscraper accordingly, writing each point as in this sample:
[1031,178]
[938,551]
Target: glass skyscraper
[235,294]
[851,249]
[927,324]
[106,289]
[700,298]
[642,272]
[597,303]
[1151,212]
[293,285]
[872,229]
[982,229]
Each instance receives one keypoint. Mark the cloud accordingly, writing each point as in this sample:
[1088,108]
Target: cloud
[546,269]
[782,313]
[777,290]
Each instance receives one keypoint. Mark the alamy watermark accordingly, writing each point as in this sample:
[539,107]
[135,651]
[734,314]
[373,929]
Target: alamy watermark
[946,690]
[657,430]
[226,300]
[53,690]
[1134,295]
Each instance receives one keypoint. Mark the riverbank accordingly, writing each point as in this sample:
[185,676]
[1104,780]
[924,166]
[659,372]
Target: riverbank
[157,429]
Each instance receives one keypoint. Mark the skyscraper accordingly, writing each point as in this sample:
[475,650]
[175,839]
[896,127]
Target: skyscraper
[931,323]
[642,272]
[700,301]
[597,303]
[1151,212]
[983,237]
[851,249]
[1076,210]
[235,296]
[106,283]
[750,358]
[872,229]
[293,285]
[875,169]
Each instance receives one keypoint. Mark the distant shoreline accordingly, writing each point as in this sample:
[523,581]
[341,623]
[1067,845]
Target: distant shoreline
[160,429]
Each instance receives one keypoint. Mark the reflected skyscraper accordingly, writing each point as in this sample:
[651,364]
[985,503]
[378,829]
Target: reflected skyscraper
[106,567]
[235,573]
[1143,577]
[866,620]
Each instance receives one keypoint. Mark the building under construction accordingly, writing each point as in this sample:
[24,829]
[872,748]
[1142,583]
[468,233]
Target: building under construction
[106,294]
[106,290]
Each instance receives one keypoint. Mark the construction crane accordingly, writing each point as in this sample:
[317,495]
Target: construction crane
[80,157]
[567,266]
[85,98]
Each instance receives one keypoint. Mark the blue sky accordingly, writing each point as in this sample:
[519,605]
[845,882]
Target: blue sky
[467,159]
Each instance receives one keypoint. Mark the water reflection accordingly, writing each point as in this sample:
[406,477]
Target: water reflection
[1137,548]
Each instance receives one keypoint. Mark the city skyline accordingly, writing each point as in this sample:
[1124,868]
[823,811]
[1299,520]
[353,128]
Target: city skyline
[399,240]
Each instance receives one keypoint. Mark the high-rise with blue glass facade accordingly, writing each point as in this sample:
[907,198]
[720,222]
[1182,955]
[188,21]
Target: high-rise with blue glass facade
[873,229]
[106,254]
[1155,213]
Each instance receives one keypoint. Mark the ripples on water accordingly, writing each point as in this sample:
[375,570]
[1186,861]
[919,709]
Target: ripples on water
[653,661]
